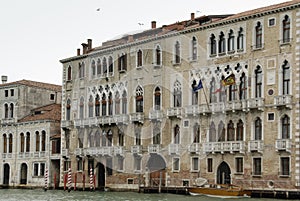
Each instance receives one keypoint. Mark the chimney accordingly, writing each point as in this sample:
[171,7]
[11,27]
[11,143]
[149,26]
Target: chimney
[89,44]
[192,16]
[153,24]
[4,79]
[78,52]
[84,48]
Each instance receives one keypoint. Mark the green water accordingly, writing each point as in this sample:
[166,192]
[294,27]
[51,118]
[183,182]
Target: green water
[53,195]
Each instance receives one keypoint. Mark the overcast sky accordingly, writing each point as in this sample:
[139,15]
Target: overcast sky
[36,34]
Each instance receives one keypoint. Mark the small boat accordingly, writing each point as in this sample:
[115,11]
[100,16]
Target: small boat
[220,190]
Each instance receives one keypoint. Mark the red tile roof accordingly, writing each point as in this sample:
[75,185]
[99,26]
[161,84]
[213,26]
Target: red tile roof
[48,112]
[42,85]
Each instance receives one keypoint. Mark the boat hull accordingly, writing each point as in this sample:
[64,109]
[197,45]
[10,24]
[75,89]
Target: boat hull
[220,192]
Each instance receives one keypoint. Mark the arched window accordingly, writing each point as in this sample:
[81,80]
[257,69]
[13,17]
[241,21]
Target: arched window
[117,103]
[213,45]
[121,137]
[156,133]
[69,74]
[22,143]
[240,131]
[139,99]
[285,127]
[103,137]
[27,142]
[103,104]
[158,56]
[4,143]
[157,99]
[177,94]
[240,39]
[43,141]
[104,66]
[139,58]
[194,49]
[10,141]
[138,136]
[258,35]
[258,129]
[232,92]
[230,131]
[213,91]
[110,104]
[243,87]
[230,42]
[37,141]
[68,108]
[93,68]
[212,132]
[177,53]
[285,78]
[97,106]
[97,139]
[81,70]
[286,26]
[196,131]
[110,66]
[194,93]
[6,110]
[109,138]
[122,62]
[99,70]
[222,43]
[221,132]
[81,108]
[11,110]
[258,82]
[124,102]
[91,106]
[176,134]
[92,139]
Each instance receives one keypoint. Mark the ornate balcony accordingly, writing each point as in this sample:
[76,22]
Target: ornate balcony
[78,123]
[283,101]
[192,110]
[65,153]
[222,147]
[39,154]
[154,148]
[217,107]
[173,149]
[156,115]
[256,103]
[256,146]
[174,112]
[66,124]
[8,121]
[194,148]
[106,120]
[283,145]
[234,105]
[107,151]
[121,118]
[137,117]
[78,152]
[136,149]
[119,150]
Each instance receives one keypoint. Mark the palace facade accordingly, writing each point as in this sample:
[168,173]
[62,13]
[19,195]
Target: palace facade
[158,108]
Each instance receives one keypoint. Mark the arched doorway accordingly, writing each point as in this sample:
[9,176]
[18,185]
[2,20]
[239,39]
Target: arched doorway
[223,174]
[101,176]
[157,168]
[6,171]
[23,178]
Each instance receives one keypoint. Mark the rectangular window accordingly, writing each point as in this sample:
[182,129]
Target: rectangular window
[137,163]
[257,167]
[52,97]
[109,166]
[195,164]
[35,169]
[209,165]
[121,164]
[6,93]
[271,116]
[272,22]
[239,165]
[176,164]
[79,164]
[42,169]
[12,92]
[67,165]
[284,166]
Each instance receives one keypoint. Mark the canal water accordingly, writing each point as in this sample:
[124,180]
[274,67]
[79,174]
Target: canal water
[53,195]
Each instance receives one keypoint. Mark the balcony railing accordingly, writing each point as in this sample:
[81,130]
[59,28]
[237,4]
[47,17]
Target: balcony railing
[78,152]
[66,123]
[194,148]
[65,152]
[121,118]
[119,150]
[234,105]
[154,148]
[222,147]
[256,103]
[107,151]
[256,145]
[39,154]
[156,115]
[284,100]
[283,145]
[217,107]
[136,149]
[173,149]
[192,110]
[174,111]
[108,120]
[137,117]
[8,121]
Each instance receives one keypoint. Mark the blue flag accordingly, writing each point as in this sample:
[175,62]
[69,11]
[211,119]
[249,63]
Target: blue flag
[198,87]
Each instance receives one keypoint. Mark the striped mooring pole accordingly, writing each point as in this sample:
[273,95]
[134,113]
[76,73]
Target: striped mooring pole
[91,180]
[69,180]
[46,180]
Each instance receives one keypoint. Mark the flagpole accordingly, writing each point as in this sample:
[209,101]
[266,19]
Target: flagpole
[204,89]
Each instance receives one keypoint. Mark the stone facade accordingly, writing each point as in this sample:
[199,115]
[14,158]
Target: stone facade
[158,106]
[30,116]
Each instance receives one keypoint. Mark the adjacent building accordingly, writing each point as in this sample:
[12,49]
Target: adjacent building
[30,133]
[213,97]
